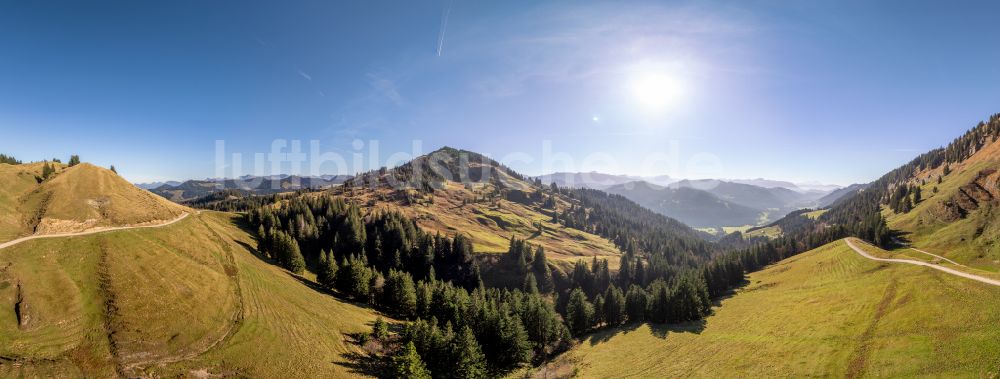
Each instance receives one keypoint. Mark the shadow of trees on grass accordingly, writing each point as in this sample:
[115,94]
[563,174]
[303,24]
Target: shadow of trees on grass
[658,330]
[663,330]
[371,357]
[363,361]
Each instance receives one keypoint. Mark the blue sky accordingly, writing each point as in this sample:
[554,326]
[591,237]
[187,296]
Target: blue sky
[837,91]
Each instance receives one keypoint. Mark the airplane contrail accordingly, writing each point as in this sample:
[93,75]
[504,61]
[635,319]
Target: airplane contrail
[444,25]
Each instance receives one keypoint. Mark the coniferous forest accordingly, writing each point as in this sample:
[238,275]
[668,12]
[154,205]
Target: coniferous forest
[457,326]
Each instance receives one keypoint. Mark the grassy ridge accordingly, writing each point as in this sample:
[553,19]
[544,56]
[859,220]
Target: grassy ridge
[18,180]
[971,240]
[490,224]
[828,312]
[77,198]
[189,297]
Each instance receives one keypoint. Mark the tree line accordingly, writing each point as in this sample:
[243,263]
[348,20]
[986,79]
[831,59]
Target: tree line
[9,160]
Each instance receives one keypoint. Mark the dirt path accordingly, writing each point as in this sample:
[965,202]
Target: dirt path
[926,253]
[95,231]
[938,257]
[925,264]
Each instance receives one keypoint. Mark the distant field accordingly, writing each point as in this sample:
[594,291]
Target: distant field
[828,313]
[769,232]
[183,299]
[731,229]
[815,214]
[709,230]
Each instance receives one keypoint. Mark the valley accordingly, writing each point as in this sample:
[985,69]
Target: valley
[717,207]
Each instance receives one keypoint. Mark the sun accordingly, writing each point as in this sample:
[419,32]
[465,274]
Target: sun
[655,91]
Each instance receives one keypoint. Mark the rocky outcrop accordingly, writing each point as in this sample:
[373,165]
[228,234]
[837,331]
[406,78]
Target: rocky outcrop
[985,188]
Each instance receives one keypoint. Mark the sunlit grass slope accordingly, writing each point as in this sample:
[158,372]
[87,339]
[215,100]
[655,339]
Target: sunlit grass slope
[74,199]
[825,313]
[973,240]
[187,298]
[17,181]
[490,224]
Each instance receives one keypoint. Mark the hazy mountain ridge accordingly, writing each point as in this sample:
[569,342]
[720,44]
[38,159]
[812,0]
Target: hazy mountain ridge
[597,180]
[154,185]
[703,202]
[832,197]
[593,179]
[691,206]
[259,185]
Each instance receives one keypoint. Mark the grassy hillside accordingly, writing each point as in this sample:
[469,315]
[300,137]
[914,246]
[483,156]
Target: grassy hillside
[77,198]
[491,224]
[18,181]
[971,240]
[189,298]
[478,197]
[828,312]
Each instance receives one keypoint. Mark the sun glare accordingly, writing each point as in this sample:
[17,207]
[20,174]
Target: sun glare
[655,91]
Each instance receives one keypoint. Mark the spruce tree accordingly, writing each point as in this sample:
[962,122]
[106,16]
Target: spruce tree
[263,242]
[636,302]
[614,306]
[401,293]
[579,312]
[467,356]
[407,364]
[530,285]
[295,261]
[598,315]
[327,274]
[380,329]
[659,302]
[689,301]
[543,275]
[512,346]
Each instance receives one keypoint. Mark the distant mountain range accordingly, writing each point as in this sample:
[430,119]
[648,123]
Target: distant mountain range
[152,185]
[838,194]
[595,180]
[259,185]
[598,180]
[709,202]
[691,206]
